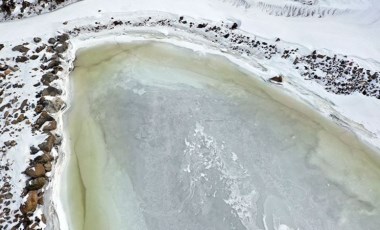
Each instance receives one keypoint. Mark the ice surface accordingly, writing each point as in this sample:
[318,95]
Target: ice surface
[165,138]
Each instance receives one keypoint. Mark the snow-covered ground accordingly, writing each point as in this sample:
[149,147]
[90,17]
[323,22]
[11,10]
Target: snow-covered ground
[353,32]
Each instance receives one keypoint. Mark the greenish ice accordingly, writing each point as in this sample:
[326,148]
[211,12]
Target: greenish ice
[166,138]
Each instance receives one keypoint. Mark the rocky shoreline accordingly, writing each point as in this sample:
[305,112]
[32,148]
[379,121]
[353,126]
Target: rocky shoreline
[338,74]
[37,113]
[32,97]
[14,10]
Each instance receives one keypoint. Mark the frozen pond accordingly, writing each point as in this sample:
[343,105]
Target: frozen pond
[164,138]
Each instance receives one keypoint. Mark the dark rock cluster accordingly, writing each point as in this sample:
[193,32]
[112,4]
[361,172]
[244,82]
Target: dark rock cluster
[29,8]
[339,75]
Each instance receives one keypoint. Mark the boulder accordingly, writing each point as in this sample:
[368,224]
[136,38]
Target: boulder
[48,144]
[61,47]
[38,108]
[277,79]
[41,200]
[33,150]
[51,91]
[44,158]
[36,39]
[7,72]
[31,202]
[36,183]
[54,105]
[21,59]
[10,143]
[40,48]
[36,171]
[20,118]
[202,25]
[58,140]
[47,78]
[20,48]
[63,37]
[52,41]
[44,117]
[48,166]
[53,63]
[34,57]
[3,67]
[52,125]
[234,26]
[8,105]
[23,104]
[50,49]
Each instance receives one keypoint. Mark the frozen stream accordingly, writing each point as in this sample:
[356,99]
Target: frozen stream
[164,138]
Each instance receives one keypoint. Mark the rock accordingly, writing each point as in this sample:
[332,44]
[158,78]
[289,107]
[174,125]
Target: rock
[277,79]
[7,72]
[53,63]
[47,78]
[48,166]
[33,150]
[61,47]
[8,105]
[57,69]
[34,57]
[44,158]
[296,61]
[52,41]
[234,26]
[48,144]
[38,108]
[54,105]
[41,200]
[20,118]
[36,183]
[116,23]
[51,91]
[203,25]
[40,48]
[31,202]
[58,140]
[36,171]
[1,46]
[36,39]
[63,37]
[8,196]
[44,117]
[52,125]
[23,104]
[14,68]
[50,49]
[3,67]
[20,48]
[10,143]
[21,59]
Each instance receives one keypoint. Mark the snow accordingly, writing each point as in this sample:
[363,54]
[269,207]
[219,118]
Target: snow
[354,33]
[344,34]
